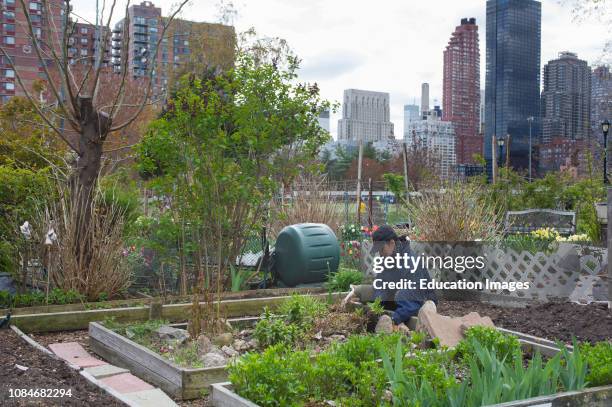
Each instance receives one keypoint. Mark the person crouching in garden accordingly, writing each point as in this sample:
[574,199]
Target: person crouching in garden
[405,303]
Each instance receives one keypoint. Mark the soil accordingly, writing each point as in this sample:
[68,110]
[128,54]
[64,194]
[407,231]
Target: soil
[47,338]
[44,372]
[553,321]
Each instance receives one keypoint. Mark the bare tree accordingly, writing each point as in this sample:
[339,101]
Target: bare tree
[85,102]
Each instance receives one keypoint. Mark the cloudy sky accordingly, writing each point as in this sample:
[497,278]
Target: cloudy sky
[386,45]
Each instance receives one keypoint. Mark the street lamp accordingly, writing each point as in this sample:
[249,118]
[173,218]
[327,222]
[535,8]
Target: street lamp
[605,127]
[500,144]
[530,120]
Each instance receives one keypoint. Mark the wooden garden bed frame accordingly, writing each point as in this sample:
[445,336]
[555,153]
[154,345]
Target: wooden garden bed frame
[224,396]
[75,320]
[178,382]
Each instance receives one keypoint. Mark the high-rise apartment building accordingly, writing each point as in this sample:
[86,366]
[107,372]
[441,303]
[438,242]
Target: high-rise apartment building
[601,99]
[185,42]
[324,120]
[17,42]
[438,138]
[365,116]
[424,99]
[512,83]
[461,89]
[566,98]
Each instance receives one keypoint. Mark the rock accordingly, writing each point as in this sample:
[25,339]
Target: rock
[319,335]
[170,334]
[245,332]
[229,351]
[224,339]
[240,345]
[403,328]
[384,325]
[449,331]
[22,368]
[338,338]
[204,344]
[213,359]
[253,344]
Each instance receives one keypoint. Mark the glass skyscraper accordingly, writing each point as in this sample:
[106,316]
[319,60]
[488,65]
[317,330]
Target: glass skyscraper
[512,85]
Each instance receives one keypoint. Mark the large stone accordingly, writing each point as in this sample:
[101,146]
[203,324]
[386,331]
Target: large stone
[449,331]
[169,334]
[224,339]
[240,345]
[213,359]
[229,351]
[204,344]
[384,325]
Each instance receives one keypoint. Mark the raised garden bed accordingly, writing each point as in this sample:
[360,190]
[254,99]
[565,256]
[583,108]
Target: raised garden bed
[75,320]
[224,396]
[173,299]
[157,363]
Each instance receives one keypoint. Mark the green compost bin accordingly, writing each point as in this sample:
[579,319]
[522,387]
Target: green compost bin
[305,254]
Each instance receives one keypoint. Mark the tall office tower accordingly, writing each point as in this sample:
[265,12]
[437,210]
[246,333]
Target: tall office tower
[16,40]
[461,89]
[424,99]
[185,42]
[566,98]
[437,137]
[365,116]
[601,108]
[324,120]
[512,76]
[481,109]
[411,112]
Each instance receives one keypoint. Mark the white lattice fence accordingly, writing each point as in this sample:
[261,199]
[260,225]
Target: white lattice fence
[569,271]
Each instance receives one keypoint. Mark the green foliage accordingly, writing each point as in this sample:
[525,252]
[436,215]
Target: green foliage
[341,280]
[139,332]
[272,330]
[36,298]
[302,309]
[599,360]
[277,377]
[22,191]
[395,183]
[376,307]
[505,346]
[239,278]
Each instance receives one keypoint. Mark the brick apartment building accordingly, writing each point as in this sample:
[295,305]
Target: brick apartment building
[145,27]
[564,154]
[461,90]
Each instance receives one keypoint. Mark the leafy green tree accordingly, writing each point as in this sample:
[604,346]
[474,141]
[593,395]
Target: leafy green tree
[219,154]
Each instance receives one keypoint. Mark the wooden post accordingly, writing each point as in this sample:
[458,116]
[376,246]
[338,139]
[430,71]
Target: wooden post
[359,159]
[609,238]
[405,154]
[494,158]
[508,139]
[370,203]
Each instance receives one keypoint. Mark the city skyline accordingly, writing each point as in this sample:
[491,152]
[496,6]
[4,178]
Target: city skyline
[395,53]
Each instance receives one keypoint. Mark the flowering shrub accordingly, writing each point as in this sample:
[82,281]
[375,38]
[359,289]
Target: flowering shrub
[581,237]
[350,231]
[352,236]
[549,234]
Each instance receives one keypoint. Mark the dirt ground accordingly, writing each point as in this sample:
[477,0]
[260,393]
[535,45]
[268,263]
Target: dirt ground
[43,372]
[592,323]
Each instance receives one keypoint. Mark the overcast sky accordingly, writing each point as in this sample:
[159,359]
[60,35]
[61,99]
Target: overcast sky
[386,45]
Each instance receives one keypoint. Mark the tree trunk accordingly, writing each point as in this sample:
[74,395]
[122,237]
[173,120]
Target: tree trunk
[94,127]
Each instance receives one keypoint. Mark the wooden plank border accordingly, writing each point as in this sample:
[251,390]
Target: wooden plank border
[75,320]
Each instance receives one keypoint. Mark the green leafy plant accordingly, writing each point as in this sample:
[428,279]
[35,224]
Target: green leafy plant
[599,360]
[272,330]
[506,346]
[376,307]
[302,309]
[343,279]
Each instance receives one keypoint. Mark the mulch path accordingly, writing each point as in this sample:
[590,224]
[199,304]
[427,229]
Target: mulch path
[43,372]
[553,321]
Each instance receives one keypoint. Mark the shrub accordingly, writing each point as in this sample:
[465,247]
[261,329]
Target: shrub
[34,298]
[343,278]
[505,346]
[599,361]
[302,309]
[458,214]
[276,377]
[272,330]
